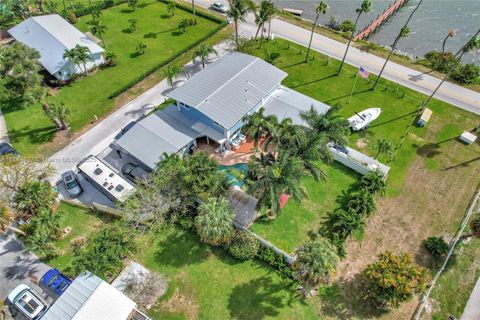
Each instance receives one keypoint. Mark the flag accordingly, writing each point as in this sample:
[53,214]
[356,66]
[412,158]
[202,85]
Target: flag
[363,73]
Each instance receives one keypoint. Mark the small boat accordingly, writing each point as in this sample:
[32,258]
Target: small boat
[297,12]
[361,120]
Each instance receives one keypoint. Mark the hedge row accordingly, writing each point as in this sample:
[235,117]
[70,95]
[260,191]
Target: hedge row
[199,13]
[165,62]
[97,7]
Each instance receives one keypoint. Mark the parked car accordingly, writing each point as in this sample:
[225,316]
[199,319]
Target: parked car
[71,184]
[5,148]
[56,281]
[133,172]
[220,7]
[27,302]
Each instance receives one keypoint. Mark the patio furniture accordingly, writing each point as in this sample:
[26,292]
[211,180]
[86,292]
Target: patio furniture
[468,137]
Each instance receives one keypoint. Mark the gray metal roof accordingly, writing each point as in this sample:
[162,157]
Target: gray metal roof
[227,89]
[244,206]
[73,298]
[288,103]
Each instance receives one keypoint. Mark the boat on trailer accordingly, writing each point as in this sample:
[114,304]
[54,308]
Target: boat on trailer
[361,120]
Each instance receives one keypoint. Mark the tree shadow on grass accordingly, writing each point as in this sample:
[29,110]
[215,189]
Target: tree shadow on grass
[177,33]
[346,299]
[261,297]
[180,249]
[34,136]
[347,95]
[392,120]
[314,81]
[153,35]
[428,150]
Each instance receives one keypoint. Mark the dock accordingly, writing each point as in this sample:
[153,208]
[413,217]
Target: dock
[296,12]
[381,18]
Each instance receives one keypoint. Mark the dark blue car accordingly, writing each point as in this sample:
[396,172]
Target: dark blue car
[56,281]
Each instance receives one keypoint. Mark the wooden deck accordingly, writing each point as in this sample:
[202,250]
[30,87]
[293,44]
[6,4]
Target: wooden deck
[380,19]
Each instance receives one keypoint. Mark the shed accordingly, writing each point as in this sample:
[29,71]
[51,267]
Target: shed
[424,117]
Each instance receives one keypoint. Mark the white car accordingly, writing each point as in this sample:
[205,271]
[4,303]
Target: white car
[220,7]
[27,302]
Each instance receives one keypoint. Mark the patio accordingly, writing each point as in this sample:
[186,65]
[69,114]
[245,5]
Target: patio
[241,155]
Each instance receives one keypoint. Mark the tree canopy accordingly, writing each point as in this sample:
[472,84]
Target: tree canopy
[214,221]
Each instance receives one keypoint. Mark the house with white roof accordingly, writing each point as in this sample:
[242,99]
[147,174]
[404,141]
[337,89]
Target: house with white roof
[212,105]
[88,298]
[51,35]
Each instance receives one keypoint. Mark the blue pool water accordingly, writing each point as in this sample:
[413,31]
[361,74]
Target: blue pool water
[243,167]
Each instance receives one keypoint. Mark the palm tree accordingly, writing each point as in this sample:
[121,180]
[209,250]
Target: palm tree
[34,196]
[320,9]
[257,125]
[373,182]
[171,9]
[51,115]
[214,221]
[58,114]
[383,146]
[141,48]
[171,72]
[404,32]
[203,52]
[183,25]
[99,29]
[346,222]
[133,24]
[473,46]
[362,203]
[316,261]
[331,124]
[133,4]
[238,10]
[268,178]
[110,58]
[365,7]
[72,56]
[265,13]
[83,55]
[451,34]
[194,13]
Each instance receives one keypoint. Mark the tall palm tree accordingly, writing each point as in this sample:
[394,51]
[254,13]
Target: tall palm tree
[257,125]
[451,34]
[365,7]
[404,32]
[171,72]
[237,11]
[72,56]
[58,114]
[214,222]
[99,29]
[84,55]
[265,13]
[316,261]
[203,52]
[320,9]
[268,178]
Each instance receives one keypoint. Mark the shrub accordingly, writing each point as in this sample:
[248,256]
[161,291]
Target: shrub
[441,62]
[43,228]
[467,73]
[78,243]
[333,24]
[275,260]
[34,196]
[393,279]
[72,17]
[244,246]
[436,246]
[347,26]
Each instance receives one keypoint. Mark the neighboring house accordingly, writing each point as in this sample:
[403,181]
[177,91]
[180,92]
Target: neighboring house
[51,35]
[89,297]
[212,105]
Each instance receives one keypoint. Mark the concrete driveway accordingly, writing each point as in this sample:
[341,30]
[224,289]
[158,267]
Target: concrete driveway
[19,266]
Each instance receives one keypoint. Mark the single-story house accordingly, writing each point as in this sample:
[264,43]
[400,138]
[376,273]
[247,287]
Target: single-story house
[51,35]
[89,297]
[212,105]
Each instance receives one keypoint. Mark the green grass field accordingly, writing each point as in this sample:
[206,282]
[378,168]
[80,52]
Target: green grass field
[28,128]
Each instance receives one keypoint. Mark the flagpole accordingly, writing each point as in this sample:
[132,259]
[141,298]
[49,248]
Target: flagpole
[353,88]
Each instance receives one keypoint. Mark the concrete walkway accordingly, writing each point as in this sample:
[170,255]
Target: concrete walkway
[100,136]
[472,309]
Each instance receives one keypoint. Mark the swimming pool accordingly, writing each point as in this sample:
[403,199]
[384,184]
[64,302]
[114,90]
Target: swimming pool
[233,177]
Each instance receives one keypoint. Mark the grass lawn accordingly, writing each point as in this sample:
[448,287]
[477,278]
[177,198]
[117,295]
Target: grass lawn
[297,220]
[82,222]
[28,128]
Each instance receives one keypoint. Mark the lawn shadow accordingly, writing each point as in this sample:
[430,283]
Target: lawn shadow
[34,136]
[347,95]
[462,164]
[177,33]
[127,10]
[294,64]
[392,120]
[153,35]
[165,16]
[135,54]
[428,150]
[127,30]
[345,299]
[261,297]
[315,81]
[180,249]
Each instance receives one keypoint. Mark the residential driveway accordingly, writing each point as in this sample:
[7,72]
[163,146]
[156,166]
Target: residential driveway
[18,266]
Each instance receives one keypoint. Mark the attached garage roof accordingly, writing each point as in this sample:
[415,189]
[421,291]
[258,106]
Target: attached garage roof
[89,297]
[51,35]
[288,103]
[226,90]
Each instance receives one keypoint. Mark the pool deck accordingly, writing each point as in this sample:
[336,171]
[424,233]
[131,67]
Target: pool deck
[241,155]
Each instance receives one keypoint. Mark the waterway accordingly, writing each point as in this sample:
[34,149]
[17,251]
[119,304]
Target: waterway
[429,25]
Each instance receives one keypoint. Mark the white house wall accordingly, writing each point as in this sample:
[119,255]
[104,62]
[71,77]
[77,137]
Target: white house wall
[66,72]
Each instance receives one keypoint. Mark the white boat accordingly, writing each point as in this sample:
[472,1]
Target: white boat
[361,120]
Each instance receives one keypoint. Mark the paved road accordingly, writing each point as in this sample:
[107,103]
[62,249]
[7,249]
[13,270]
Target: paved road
[18,266]
[424,83]
[472,309]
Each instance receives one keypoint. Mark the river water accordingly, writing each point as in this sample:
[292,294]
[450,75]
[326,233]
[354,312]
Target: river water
[429,25]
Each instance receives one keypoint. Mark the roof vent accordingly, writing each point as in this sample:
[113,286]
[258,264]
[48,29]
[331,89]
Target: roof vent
[119,187]
[98,171]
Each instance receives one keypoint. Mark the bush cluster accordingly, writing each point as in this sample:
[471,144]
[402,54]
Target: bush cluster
[436,246]
[97,7]
[244,246]
[275,260]
[463,73]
